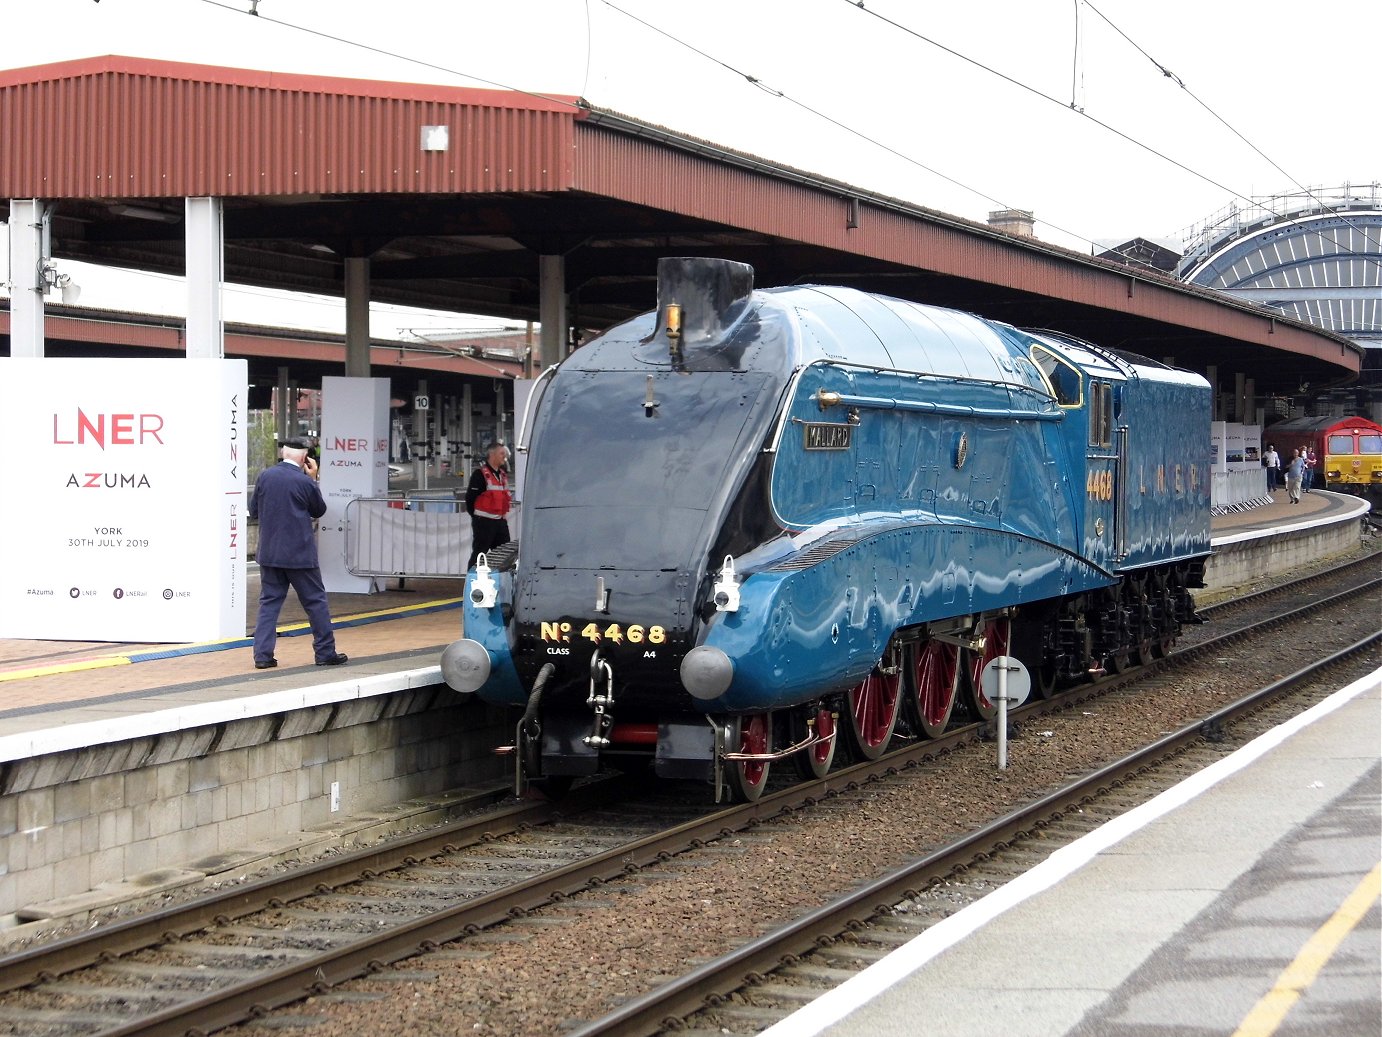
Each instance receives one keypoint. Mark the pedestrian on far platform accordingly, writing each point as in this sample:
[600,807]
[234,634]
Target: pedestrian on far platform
[1295,471]
[1271,461]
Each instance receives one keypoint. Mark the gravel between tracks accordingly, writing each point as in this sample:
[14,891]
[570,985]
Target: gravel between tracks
[534,979]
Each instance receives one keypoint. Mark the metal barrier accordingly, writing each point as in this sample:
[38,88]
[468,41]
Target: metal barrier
[423,536]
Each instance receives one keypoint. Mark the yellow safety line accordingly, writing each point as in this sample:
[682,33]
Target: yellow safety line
[401,609]
[48,671]
[123,660]
[1268,1013]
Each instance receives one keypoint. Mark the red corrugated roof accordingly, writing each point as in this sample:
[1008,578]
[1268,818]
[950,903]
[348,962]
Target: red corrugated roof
[118,127]
[286,81]
[317,159]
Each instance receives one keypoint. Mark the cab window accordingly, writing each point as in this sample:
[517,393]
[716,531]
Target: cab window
[1100,414]
[1370,444]
[1339,445]
[1063,379]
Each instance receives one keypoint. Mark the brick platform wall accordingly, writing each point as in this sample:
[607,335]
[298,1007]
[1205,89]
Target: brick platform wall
[74,821]
[1236,565]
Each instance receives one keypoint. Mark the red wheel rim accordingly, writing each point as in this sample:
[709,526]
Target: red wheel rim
[873,705]
[753,738]
[995,644]
[937,668]
[822,752]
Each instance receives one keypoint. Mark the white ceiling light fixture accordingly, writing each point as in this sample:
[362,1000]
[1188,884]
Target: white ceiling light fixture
[143,212]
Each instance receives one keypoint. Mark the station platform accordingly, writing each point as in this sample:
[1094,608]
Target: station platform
[54,693]
[51,692]
[1243,901]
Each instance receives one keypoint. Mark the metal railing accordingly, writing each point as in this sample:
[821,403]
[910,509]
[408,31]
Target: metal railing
[422,535]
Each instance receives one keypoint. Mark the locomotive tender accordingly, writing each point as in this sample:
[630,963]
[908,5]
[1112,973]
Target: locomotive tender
[755,521]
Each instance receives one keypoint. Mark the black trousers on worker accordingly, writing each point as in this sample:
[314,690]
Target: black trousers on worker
[273,590]
[486,534]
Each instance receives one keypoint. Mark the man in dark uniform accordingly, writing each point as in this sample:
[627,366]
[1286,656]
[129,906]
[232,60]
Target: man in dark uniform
[487,500]
[286,500]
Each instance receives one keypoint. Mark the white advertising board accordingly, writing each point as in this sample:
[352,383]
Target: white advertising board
[124,515]
[1218,436]
[354,463]
[1252,446]
[1234,445]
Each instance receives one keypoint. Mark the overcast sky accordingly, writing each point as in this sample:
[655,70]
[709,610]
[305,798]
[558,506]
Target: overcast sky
[856,94]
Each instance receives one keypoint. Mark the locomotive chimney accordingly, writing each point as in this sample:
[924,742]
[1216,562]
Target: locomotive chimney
[699,300]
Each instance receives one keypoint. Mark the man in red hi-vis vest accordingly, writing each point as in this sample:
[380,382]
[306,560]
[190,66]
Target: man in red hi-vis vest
[487,500]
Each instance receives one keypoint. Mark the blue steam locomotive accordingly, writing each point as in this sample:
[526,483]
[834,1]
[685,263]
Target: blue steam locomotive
[761,524]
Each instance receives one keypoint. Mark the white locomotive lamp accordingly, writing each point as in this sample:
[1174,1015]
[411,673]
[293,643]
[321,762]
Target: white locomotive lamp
[726,591]
[484,592]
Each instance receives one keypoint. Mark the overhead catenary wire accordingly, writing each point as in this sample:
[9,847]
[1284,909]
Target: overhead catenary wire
[1168,74]
[1075,59]
[752,80]
[773,91]
[861,6]
[395,55]
[756,82]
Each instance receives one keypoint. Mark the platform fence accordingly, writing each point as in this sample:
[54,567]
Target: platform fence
[421,535]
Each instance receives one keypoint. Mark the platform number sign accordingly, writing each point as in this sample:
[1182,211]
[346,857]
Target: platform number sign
[422,402]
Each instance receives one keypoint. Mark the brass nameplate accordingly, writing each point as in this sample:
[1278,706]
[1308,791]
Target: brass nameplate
[824,436]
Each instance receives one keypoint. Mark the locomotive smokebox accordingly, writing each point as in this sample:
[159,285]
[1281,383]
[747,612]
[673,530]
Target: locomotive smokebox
[708,297]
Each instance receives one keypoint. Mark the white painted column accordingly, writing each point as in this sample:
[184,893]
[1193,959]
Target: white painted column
[357,316]
[205,244]
[552,307]
[471,448]
[286,409]
[502,429]
[26,256]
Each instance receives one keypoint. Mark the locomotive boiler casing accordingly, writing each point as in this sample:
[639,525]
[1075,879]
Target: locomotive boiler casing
[840,466]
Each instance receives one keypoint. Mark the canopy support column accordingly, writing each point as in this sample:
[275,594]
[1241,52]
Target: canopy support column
[28,219]
[551,309]
[205,271]
[357,358]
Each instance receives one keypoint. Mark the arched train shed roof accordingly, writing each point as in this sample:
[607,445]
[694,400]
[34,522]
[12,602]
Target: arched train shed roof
[314,169]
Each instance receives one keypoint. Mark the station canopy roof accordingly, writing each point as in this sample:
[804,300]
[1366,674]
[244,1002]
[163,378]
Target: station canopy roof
[454,194]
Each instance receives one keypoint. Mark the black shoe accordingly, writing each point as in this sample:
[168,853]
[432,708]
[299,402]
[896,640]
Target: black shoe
[265,664]
[333,660]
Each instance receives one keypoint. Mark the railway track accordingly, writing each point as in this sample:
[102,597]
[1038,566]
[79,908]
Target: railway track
[766,980]
[236,955]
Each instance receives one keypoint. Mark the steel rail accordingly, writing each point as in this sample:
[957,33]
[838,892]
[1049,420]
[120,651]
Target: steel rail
[109,941]
[663,1007]
[1293,586]
[1285,617]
